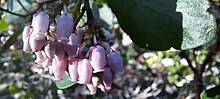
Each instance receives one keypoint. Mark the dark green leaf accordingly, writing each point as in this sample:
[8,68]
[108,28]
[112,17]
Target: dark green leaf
[159,25]
[65,82]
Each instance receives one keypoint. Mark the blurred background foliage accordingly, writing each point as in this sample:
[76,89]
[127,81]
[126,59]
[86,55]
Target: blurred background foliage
[148,74]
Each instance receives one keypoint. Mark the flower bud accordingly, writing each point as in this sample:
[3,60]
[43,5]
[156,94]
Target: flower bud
[58,68]
[64,27]
[40,23]
[107,78]
[72,45]
[97,58]
[84,71]
[72,68]
[115,62]
[35,44]
[50,49]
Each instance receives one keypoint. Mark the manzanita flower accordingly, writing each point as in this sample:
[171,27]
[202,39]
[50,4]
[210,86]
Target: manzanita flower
[73,69]
[59,68]
[97,58]
[25,36]
[84,71]
[107,78]
[72,45]
[115,62]
[50,49]
[64,27]
[40,24]
[35,44]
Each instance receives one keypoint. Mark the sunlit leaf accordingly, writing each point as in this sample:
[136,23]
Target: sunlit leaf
[160,25]
[65,82]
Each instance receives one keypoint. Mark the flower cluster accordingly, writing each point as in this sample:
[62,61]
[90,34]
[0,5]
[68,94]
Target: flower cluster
[65,50]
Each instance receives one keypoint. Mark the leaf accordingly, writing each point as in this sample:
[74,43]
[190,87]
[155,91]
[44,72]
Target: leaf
[65,82]
[160,25]
[3,24]
[106,16]
[212,93]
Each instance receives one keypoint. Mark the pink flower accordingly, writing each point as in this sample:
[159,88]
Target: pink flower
[97,58]
[84,71]
[40,23]
[64,27]
[36,45]
[26,35]
[115,62]
[72,68]
[59,68]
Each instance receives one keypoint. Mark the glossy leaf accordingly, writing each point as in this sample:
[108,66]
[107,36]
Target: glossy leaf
[159,25]
[65,82]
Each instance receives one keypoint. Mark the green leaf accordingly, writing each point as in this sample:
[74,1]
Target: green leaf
[64,83]
[3,24]
[159,25]
[212,93]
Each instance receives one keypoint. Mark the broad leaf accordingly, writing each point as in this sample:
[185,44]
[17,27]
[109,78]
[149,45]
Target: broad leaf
[64,83]
[159,24]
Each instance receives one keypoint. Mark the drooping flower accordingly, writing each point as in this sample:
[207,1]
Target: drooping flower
[64,27]
[97,58]
[40,24]
[115,62]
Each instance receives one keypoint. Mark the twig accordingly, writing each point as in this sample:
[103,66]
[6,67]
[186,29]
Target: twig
[191,66]
[22,6]
[28,14]
[79,17]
